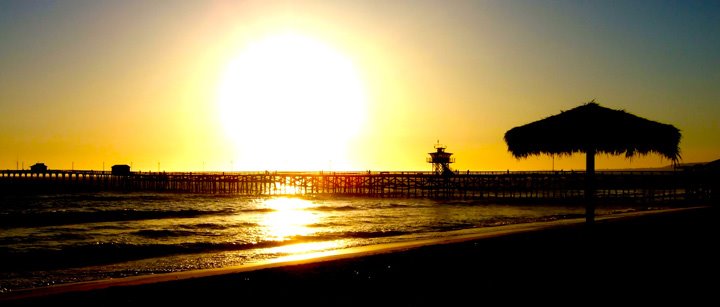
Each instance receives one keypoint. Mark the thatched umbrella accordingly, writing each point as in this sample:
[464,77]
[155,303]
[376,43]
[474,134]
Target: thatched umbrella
[592,129]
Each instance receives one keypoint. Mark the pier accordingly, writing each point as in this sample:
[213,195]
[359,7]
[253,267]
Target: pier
[550,186]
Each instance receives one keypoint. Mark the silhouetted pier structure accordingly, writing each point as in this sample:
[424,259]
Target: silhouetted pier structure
[635,186]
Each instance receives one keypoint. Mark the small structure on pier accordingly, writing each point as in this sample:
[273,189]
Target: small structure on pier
[38,168]
[440,160]
[121,169]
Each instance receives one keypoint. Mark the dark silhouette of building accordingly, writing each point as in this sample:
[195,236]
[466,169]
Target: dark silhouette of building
[38,168]
[440,159]
[121,169]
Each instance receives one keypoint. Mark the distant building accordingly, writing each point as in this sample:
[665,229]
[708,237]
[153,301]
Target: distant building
[121,169]
[440,159]
[38,168]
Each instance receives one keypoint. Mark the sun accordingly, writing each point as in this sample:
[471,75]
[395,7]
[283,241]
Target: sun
[291,102]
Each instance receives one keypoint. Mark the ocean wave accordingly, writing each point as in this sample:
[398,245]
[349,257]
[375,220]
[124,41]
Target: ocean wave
[163,233]
[15,260]
[214,226]
[328,236]
[103,197]
[393,206]
[327,224]
[258,210]
[372,234]
[54,238]
[333,208]
[451,226]
[109,227]
[86,254]
[82,217]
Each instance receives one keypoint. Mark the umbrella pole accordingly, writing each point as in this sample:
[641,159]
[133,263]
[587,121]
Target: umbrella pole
[590,187]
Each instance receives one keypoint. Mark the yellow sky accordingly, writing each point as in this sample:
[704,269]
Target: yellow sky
[92,84]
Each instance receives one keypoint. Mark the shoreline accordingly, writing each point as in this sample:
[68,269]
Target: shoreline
[456,236]
[563,244]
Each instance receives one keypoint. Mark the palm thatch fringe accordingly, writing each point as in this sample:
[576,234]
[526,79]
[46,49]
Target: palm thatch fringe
[593,127]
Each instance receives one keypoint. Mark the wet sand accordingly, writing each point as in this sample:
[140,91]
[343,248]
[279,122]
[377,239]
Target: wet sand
[641,255]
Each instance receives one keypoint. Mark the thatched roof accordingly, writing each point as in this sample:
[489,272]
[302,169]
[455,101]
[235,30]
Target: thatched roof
[592,126]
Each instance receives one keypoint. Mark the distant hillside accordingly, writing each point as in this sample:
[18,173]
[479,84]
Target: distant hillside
[669,167]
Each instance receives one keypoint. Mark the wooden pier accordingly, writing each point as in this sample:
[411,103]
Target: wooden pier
[635,186]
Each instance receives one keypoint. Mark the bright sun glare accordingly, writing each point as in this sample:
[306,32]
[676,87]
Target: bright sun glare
[290,102]
[287,219]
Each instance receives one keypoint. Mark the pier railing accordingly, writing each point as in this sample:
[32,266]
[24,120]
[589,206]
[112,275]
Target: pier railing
[634,186]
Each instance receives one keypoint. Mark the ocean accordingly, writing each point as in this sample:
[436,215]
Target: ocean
[63,238]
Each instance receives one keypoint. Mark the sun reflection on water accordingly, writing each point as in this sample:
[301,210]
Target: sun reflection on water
[302,248]
[288,219]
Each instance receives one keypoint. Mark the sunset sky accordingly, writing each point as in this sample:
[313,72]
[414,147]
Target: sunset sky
[342,85]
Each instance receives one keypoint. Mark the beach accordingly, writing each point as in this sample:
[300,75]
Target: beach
[668,253]
[359,153]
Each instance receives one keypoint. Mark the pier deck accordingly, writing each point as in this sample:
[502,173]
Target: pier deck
[636,186]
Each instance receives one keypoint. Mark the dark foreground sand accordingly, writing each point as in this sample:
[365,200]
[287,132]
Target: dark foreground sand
[668,257]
